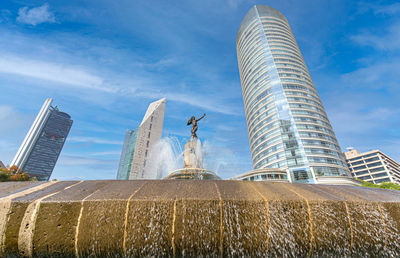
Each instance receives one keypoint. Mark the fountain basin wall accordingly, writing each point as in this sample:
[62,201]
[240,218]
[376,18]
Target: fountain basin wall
[192,218]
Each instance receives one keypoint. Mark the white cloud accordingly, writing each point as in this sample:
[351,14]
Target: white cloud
[234,4]
[68,160]
[375,76]
[352,119]
[11,120]
[388,9]
[106,153]
[5,145]
[386,41]
[379,9]
[79,77]
[92,140]
[205,102]
[5,15]
[36,15]
[51,72]
[5,112]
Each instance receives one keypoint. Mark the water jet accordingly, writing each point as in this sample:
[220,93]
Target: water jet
[193,158]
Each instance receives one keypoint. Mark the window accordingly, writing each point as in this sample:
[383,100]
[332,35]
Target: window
[360,167]
[364,177]
[377,169]
[354,159]
[378,181]
[372,159]
[148,135]
[147,144]
[369,155]
[380,175]
[361,172]
[374,164]
[357,163]
[151,119]
[150,126]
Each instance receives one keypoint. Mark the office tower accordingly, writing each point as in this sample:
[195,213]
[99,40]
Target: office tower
[42,145]
[287,124]
[138,143]
[373,166]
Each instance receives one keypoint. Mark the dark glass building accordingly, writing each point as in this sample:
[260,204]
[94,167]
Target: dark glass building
[42,146]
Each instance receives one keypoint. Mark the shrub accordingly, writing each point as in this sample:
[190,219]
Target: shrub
[385,185]
[4,176]
[13,173]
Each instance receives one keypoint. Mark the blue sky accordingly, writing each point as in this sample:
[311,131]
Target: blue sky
[103,62]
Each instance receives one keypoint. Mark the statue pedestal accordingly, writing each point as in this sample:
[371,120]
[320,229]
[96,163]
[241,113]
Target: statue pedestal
[193,163]
[193,154]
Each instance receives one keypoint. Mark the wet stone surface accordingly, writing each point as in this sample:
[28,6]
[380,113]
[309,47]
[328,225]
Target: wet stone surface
[7,188]
[196,218]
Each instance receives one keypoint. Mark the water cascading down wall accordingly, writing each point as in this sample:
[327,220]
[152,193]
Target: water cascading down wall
[192,218]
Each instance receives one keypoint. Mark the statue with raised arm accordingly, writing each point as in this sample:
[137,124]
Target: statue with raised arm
[193,121]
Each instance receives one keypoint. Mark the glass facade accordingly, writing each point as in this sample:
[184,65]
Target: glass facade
[287,124]
[45,152]
[128,149]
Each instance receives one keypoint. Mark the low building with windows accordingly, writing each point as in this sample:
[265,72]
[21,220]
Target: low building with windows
[2,165]
[283,175]
[373,166]
[265,174]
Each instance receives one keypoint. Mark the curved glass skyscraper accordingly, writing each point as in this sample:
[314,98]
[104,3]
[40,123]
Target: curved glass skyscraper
[287,124]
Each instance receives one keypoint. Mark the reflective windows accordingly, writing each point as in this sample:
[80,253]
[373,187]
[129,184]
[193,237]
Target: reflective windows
[287,124]
[374,164]
[379,175]
[371,159]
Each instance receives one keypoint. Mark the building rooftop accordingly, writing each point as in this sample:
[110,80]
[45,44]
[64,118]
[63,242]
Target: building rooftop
[355,153]
[255,12]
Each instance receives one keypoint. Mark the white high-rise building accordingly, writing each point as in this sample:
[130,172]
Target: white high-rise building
[138,143]
[287,124]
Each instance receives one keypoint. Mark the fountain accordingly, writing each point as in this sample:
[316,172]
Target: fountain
[193,163]
[193,158]
[225,218]
[165,156]
[196,218]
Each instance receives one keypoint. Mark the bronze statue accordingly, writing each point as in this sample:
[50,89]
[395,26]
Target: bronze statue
[193,122]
